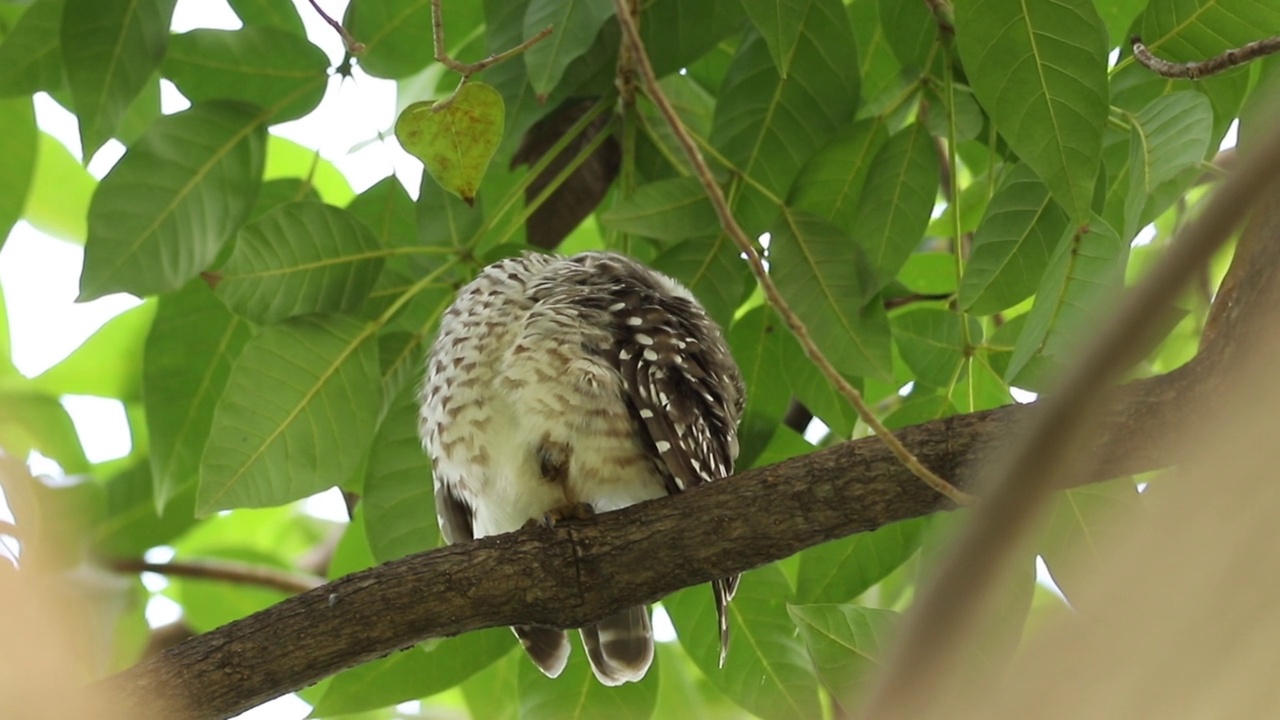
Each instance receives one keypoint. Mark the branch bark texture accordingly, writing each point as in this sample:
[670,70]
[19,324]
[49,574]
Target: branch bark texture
[581,571]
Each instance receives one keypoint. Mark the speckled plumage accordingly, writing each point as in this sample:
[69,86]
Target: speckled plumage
[589,379]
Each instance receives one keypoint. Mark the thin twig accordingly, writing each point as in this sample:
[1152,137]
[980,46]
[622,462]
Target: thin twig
[731,226]
[1052,453]
[354,46]
[1204,68]
[466,70]
[226,571]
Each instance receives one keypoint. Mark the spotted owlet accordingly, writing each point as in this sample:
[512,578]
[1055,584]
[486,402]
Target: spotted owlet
[557,382]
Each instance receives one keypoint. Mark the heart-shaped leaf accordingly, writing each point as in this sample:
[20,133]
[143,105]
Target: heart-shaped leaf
[456,141]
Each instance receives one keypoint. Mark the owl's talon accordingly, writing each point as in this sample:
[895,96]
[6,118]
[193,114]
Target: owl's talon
[575,511]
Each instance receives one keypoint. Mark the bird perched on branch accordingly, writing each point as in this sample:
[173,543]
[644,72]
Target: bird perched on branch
[559,385]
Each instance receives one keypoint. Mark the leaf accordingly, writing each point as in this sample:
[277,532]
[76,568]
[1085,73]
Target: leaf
[259,64]
[397,33]
[108,364]
[1076,534]
[841,570]
[900,189]
[672,209]
[1012,245]
[269,13]
[830,184]
[577,695]
[932,344]
[712,269]
[757,341]
[574,26]
[910,30]
[18,137]
[455,142]
[58,200]
[33,421]
[1040,71]
[822,276]
[131,523]
[399,496]
[165,210]
[110,50]
[492,693]
[300,258]
[676,33]
[768,127]
[288,159]
[413,673]
[848,644]
[767,671]
[297,416]
[189,353]
[1084,276]
[30,56]
[1169,137]
[388,211]
[780,24]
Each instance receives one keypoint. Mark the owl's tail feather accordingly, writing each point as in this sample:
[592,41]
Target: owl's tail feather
[547,647]
[724,588]
[620,647]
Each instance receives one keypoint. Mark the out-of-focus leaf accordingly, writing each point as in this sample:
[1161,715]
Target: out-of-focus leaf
[757,340]
[131,524]
[108,364]
[848,644]
[287,159]
[1075,538]
[58,201]
[767,671]
[110,50]
[910,30]
[1012,245]
[31,56]
[297,416]
[269,13]
[258,64]
[164,211]
[493,693]
[208,604]
[1040,71]
[841,570]
[32,421]
[18,145]
[399,496]
[189,353]
[300,258]
[455,143]
[577,695]
[823,276]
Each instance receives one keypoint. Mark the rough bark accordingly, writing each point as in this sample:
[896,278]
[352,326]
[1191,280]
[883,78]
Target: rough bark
[581,571]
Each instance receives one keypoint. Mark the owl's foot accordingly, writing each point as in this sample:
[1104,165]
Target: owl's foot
[574,511]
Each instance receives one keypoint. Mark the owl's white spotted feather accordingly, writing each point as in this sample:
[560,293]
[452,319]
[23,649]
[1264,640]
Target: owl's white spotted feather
[590,379]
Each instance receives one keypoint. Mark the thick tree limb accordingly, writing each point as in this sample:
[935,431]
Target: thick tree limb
[582,571]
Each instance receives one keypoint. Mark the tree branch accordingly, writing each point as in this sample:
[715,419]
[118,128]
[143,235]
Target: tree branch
[582,571]
[224,570]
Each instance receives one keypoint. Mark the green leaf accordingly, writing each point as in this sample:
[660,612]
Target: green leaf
[33,421]
[493,693]
[1118,16]
[399,496]
[1012,245]
[397,33]
[1084,276]
[1076,535]
[676,33]
[30,56]
[388,211]
[18,137]
[575,24]
[108,364]
[297,416]
[672,209]
[900,189]
[881,71]
[269,13]
[848,644]
[767,672]
[712,268]
[414,673]
[841,570]
[189,352]
[58,201]
[910,30]
[131,524]
[110,50]
[288,159]
[779,22]
[455,142]
[830,184]
[577,695]
[259,64]
[768,127]
[757,341]
[1168,138]
[1040,71]
[931,341]
[821,274]
[165,210]
[300,258]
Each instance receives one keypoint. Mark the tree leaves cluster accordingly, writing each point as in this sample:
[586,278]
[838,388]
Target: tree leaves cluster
[947,203]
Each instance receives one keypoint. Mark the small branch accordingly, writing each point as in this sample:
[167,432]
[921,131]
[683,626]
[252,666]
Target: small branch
[466,70]
[1204,68]
[944,16]
[745,245]
[226,571]
[355,47]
